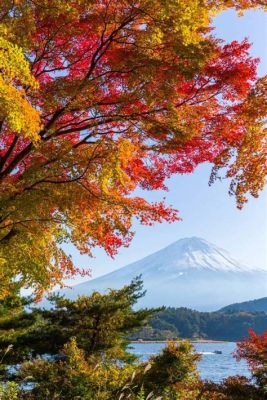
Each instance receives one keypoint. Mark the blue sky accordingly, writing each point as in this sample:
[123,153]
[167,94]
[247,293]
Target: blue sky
[207,212]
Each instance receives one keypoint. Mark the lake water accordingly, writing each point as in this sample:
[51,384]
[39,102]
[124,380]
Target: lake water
[214,367]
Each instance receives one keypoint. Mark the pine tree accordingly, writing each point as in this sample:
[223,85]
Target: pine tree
[99,323]
[15,323]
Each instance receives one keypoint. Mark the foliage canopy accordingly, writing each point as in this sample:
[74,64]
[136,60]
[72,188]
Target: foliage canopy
[98,98]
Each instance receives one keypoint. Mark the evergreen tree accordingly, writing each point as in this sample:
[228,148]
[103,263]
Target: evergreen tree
[99,323]
[15,323]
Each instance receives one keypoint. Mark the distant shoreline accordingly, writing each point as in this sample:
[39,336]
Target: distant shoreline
[203,341]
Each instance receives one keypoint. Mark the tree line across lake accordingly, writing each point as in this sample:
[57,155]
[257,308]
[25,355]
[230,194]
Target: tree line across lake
[171,323]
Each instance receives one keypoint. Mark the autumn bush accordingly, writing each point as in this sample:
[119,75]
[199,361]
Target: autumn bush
[9,391]
[254,350]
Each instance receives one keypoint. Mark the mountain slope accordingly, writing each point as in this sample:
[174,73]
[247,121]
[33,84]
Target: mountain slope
[189,273]
[258,305]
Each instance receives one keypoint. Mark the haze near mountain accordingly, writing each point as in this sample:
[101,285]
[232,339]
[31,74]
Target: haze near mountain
[189,273]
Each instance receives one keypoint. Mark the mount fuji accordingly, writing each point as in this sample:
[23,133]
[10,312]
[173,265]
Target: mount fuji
[189,273]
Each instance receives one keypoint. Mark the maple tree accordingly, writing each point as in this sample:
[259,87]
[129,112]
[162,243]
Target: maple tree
[254,351]
[100,97]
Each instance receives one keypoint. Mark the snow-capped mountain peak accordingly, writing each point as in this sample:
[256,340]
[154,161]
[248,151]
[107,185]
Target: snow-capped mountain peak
[187,253]
[190,272]
[197,253]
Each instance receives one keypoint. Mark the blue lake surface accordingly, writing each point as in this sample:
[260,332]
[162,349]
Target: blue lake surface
[214,367]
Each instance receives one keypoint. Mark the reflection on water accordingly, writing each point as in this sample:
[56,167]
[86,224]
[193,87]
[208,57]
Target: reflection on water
[212,366]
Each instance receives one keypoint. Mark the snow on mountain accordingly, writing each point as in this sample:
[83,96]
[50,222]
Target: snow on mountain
[188,273]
